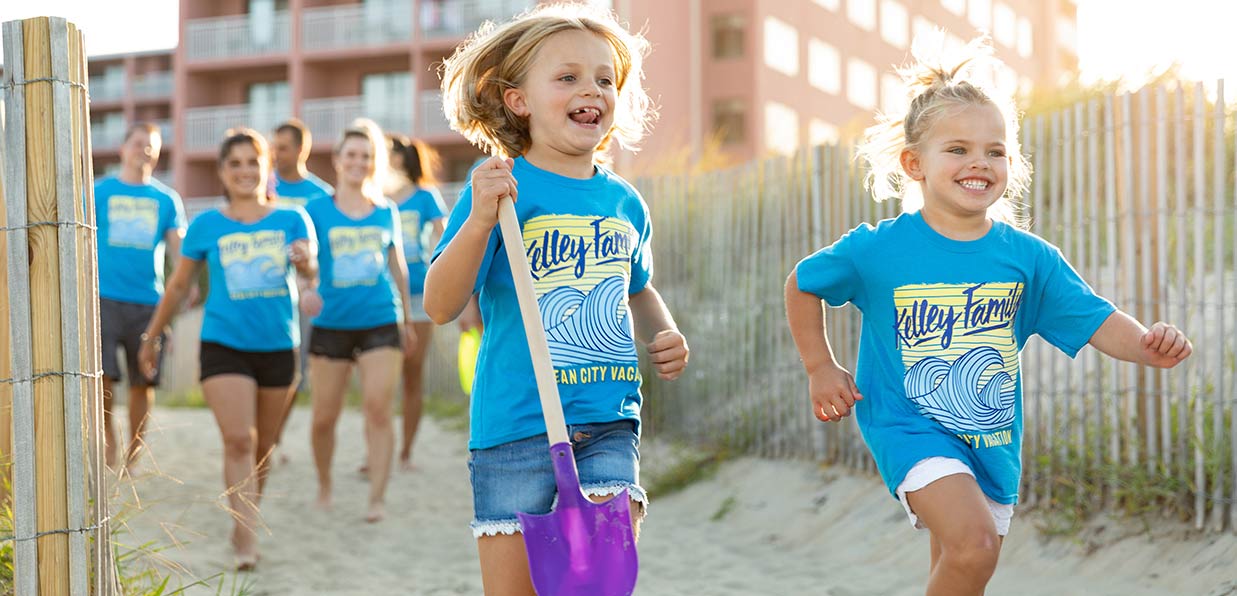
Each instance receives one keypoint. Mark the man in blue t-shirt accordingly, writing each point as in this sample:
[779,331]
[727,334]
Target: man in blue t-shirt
[294,184]
[140,226]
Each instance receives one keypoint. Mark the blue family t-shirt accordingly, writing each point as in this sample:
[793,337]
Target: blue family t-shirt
[251,305]
[943,324]
[588,246]
[300,193]
[354,277]
[133,221]
[417,214]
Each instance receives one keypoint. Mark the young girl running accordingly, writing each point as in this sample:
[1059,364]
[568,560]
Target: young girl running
[249,331]
[949,294]
[365,308]
[551,89]
[421,213]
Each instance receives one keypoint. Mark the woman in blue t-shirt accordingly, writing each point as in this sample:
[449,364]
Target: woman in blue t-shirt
[365,307]
[249,327]
[421,213]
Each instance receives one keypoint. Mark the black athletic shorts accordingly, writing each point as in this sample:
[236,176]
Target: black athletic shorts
[121,325]
[269,369]
[346,344]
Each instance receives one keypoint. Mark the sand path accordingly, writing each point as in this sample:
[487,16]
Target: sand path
[780,528]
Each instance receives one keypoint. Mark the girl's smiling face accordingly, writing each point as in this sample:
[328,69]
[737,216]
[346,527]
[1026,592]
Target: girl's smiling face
[355,161]
[568,97]
[243,171]
[962,161]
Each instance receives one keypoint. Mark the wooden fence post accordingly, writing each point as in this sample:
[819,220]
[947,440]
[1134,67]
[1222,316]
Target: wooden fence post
[52,294]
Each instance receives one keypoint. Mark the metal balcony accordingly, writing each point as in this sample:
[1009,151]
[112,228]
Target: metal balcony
[241,36]
[356,26]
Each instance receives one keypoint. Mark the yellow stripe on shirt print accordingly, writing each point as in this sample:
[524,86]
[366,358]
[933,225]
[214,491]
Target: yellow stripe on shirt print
[955,340]
[579,251]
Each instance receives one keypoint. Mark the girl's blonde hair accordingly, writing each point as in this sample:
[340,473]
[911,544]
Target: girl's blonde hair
[938,83]
[498,57]
[368,130]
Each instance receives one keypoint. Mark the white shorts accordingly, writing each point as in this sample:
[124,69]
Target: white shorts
[932,469]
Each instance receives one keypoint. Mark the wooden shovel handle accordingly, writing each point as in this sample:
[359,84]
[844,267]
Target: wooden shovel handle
[543,366]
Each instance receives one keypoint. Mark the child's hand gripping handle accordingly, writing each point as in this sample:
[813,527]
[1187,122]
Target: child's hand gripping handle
[543,366]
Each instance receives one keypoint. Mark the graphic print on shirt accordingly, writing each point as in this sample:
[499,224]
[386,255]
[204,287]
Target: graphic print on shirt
[255,264]
[297,201]
[133,222]
[581,266]
[410,226]
[358,255]
[961,356]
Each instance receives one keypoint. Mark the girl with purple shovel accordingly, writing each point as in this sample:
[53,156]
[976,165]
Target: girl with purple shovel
[547,92]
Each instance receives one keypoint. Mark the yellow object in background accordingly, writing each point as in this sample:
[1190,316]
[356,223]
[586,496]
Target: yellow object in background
[470,344]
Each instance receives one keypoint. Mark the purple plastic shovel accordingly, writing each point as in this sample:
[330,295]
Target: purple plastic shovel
[580,547]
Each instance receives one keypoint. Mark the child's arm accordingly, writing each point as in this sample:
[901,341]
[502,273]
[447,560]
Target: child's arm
[1124,338]
[655,328]
[452,276]
[831,387]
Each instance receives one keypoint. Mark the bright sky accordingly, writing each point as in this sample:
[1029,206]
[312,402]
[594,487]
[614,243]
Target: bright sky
[1115,37]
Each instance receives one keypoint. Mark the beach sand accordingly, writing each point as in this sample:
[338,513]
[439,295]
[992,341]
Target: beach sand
[755,527]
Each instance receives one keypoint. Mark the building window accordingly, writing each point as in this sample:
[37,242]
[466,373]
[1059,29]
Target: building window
[957,7]
[1067,35]
[728,36]
[894,23]
[822,133]
[1025,37]
[862,13]
[824,66]
[1004,25]
[979,13]
[781,128]
[832,5]
[730,121]
[861,83]
[893,95]
[781,47]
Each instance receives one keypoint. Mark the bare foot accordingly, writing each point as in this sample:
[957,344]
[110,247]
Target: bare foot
[324,501]
[247,562]
[363,470]
[405,464]
[376,512]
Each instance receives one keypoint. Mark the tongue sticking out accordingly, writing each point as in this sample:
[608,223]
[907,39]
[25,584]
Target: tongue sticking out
[585,117]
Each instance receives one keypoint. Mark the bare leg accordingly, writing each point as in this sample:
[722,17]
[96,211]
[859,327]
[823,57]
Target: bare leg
[328,378]
[232,398]
[109,428]
[956,512]
[414,366]
[141,398]
[379,371]
[271,406]
[504,562]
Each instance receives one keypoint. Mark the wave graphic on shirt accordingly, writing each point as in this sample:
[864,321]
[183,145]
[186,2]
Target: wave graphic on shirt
[260,274]
[588,328]
[135,232]
[951,394]
[357,269]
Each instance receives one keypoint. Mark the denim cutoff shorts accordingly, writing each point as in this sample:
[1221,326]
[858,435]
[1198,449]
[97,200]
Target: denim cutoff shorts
[518,476]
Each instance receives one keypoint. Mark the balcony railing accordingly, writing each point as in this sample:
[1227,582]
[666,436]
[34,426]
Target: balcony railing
[153,84]
[456,18]
[236,36]
[356,25]
[430,119]
[327,117]
[204,127]
[106,88]
[106,136]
